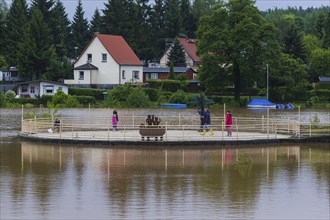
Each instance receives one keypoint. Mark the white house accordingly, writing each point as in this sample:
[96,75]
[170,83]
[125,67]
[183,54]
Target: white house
[106,61]
[190,49]
[33,89]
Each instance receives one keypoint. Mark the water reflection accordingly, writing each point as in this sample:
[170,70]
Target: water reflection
[53,181]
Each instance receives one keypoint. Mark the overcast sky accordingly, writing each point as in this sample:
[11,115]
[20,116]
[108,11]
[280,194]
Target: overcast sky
[89,6]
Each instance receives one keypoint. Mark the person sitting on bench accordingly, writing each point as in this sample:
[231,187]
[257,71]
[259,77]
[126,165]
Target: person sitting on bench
[57,125]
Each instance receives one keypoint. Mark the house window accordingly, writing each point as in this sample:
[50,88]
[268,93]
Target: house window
[89,57]
[32,89]
[24,89]
[104,57]
[123,74]
[59,88]
[49,89]
[135,74]
[81,75]
[153,75]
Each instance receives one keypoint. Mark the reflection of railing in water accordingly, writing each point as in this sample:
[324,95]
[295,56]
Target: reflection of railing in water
[79,127]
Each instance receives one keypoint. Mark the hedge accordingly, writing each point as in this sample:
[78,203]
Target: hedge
[85,100]
[96,93]
[323,94]
[169,85]
[322,86]
[23,101]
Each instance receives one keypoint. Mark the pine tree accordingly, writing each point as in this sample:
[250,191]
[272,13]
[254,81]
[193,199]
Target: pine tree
[157,28]
[172,18]
[187,21]
[80,35]
[326,37]
[171,73]
[293,43]
[14,31]
[60,30]
[36,52]
[96,23]
[3,14]
[177,55]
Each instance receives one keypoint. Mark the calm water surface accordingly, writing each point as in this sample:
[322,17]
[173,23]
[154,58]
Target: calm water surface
[51,181]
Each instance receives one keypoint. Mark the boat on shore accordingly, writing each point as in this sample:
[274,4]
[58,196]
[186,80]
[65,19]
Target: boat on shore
[173,105]
[261,103]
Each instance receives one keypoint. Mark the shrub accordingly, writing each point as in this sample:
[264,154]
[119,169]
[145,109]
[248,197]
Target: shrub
[323,94]
[96,93]
[10,94]
[322,85]
[71,102]
[120,93]
[138,99]
[23,101]
[2,99]
[59,98]
[178,97]
[152,93]
[85,100]
[169,85]
[45,99]
[182,76]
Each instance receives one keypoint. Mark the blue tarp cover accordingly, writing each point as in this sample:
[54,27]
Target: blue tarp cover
[258,102]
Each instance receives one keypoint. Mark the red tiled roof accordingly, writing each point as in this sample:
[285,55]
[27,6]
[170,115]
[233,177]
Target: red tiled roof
[118,48]
[190,46]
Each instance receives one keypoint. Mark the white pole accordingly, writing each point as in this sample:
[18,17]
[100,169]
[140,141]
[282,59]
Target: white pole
[22,117]
[267,80]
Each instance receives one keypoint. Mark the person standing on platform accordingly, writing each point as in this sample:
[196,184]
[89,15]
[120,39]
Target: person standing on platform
[207,123]
[229,122]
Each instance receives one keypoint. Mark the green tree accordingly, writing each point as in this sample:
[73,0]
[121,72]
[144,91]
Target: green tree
[188,25]
[80,35]
[157,32]
[172,18]
[61,31]
[290,80]
[320,62]
[171,73]
[177,55]
[96,23]
[138,98]
[233,43]
[16,22]
[3,14]
[319,25]
[294,44]
[2,99]
[36,52]
[326,38]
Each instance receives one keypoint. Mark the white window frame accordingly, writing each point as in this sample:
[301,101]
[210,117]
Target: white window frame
[32,89]
[154,76]
[49,89]
[81,75]
[104,57]
[123,74]
[24,89]
[135,74]
[89,57]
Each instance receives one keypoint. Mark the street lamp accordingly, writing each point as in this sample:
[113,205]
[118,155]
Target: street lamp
[267,80]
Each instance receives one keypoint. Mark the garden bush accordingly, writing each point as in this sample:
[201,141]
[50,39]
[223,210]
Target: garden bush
[24,101]
[152,93]
[85,100]
[10,94]
[169,85]
[138,98]
[59,98]
[178,97]
[96,93]
[2,99]
[45,99]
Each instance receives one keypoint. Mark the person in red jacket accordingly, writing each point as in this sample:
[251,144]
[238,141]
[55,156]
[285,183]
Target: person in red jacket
[229,122]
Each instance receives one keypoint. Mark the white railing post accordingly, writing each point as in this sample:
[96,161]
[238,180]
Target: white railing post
[108,128]
[222,128]
[124,132]
[179,120]
[133,119]
[182,132]
[310,129]
[262,123]
[166,130]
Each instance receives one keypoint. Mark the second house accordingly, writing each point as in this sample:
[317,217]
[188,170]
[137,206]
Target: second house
[107,61]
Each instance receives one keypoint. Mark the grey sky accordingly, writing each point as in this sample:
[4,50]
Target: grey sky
[89,6]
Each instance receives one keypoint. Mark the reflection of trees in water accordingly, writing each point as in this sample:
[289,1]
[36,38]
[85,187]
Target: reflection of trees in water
[223,176]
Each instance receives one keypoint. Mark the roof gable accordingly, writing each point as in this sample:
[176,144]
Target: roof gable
[118,48]
[190,47]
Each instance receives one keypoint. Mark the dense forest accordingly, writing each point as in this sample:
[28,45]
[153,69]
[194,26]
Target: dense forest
[237,42]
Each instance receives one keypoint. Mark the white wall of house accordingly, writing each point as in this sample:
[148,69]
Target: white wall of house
[132,74]
[40,88]
[163,61]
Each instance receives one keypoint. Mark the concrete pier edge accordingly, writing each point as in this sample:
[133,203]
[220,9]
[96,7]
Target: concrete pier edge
[190,144]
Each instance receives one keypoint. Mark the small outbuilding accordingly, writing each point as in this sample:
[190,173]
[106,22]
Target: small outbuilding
[38,88]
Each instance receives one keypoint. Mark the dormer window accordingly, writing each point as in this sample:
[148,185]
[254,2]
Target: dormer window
[89,57]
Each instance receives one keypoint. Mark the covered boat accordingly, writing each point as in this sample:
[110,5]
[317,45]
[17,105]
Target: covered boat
[261,103]
[173,105]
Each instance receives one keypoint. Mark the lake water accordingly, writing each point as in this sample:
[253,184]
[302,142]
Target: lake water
[52,181]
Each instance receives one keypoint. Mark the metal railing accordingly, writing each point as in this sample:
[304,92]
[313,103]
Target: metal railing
[179,128]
